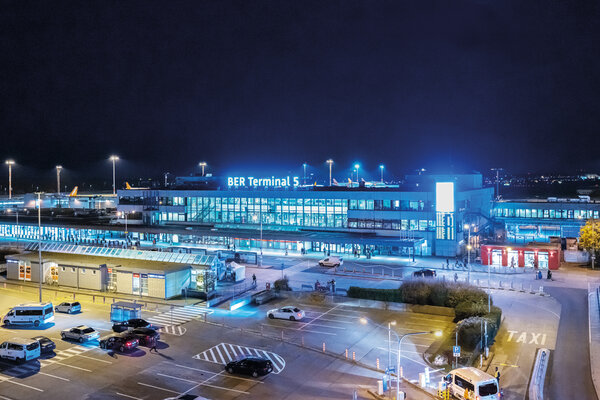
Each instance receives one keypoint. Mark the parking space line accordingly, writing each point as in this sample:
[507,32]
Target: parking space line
[204,383]
[223,388]
[330,326]
[54,376]
[176,377]
[157,387]
[128,396]
[5,398]
[298,329]
[22,384]
[74,366]
[93,358]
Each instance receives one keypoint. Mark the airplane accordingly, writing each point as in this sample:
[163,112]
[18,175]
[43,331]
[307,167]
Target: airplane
[128,187]
[74,193]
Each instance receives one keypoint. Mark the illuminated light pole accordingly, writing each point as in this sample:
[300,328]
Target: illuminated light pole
[10,163]
[304,166]
[468,227]
[202,165]
[114,159]
[357,166]
[365,321]
[497,181]
[330,162]
[58,169]
[41,273]
[381,167]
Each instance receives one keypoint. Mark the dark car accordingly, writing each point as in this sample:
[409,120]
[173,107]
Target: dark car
[250,366]
[146,336]
[131,323]
[424,273]
[122,342]
[46,345]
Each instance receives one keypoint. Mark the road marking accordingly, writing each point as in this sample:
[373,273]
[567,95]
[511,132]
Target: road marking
[204,382]
[73,366]
[22,384]
[54,376]
[176,377]
[523,337]
[5,398]
[158,387]
[217,373]
[210,355]
[128,396]
[298,329]
[175,330]
[178,316]
[94,358]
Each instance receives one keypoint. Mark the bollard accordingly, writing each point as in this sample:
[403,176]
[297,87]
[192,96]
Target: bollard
[346,353]
[303,341]
[499,284]
[363,270]
[73,296]
[378,363]
[392,273]
[323,347]
[541,292]
[512,285]
[104,299]
[353,356]
[373,271]
[354,270]
[530,288]
[282,336]
[382,272]
[93,298]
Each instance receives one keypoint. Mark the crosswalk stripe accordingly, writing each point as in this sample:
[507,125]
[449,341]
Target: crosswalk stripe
[221,355]
[227,353]
[232,347]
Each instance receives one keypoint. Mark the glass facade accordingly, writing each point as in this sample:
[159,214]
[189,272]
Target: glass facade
[544,213]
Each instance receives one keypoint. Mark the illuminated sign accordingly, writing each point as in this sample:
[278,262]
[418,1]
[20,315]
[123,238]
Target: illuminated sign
[244,181]
[444,197]
[155,276]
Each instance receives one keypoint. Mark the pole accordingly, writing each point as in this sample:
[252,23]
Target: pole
[398,367]
[10,181]
[17,233]
[304,179]
[114,176]
[40,244]
[330,172]
[58,180]
[469,255]
[389,364]
[456,358]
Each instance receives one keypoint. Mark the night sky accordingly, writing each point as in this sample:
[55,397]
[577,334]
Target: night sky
[267,85]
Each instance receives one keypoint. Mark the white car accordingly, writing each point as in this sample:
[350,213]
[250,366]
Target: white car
[288,312]
[332,261]
[80,333]
[68,307]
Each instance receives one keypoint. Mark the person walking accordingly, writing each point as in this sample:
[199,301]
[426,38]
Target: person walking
[497,376]
[455,277]
[153,346]
[254,279]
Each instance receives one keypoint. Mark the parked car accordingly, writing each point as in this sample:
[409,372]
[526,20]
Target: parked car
[81,333]
[332,261]
[424,273]
[122,341]
[131,323]
[249,365]
[68,307]
[20,349]
[288,312]
[145,335]
[46,345]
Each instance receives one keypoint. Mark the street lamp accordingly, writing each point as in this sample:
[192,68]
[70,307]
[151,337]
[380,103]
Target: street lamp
[330,162]
[58,169]
[10,163]
[114,159]
[304,166]
[381,168]
[437,333]
[357,166]
[468,227]
[41,273]
[202,165]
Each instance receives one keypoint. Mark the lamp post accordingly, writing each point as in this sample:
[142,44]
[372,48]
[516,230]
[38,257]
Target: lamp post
[357,166]
[304,180]
[381,168]
[10,163]
[41,273]
[58,169]
[468,227]
[364,321]
[330,162]
[202,165]
[114,159]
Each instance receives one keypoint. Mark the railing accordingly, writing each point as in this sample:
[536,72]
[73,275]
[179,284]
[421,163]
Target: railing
[598,298]
[538,376]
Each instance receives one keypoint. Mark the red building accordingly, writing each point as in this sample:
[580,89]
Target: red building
[532,255]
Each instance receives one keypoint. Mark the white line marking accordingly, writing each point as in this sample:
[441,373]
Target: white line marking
[22,384]
[232,348]
[226,352]
[128,396]
[157,387]
[204,383]
[326,312]
[221,355]
[211,372]
[73,366]
[5,398]
[93,358]
[54,376]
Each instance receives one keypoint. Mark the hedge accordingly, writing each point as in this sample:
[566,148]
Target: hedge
[390,295]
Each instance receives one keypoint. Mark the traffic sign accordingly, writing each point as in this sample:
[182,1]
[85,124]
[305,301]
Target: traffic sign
[456,351]
[389,370]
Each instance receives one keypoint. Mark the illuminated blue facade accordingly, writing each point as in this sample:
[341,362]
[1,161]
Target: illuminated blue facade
[423,216]
[538,220]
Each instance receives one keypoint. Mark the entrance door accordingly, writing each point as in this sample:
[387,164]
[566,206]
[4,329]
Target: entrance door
[543,260]
[144,284]
[513,258]
[136,284]
[529,259]
[496,257]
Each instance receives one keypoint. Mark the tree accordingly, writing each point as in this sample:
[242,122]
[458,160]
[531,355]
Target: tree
[589,236]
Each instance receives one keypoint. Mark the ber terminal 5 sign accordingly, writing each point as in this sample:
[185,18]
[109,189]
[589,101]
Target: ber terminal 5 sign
[245,181]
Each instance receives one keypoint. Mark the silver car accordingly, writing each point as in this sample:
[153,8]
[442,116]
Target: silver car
[68,307]
[80,333]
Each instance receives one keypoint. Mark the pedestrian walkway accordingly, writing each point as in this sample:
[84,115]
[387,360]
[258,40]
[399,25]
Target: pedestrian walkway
[225,352]
[594,331]
[178,315]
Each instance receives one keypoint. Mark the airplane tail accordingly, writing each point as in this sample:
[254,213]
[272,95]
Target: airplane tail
[127,186]
[74,192]
[335,182]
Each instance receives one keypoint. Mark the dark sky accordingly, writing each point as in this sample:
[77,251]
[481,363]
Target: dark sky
[272,84]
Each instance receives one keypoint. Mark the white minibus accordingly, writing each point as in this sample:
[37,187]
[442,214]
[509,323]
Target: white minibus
[478,384]
[27,314]
[20,349]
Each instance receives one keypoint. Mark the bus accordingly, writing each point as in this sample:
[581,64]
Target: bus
[35,314]
[473,381]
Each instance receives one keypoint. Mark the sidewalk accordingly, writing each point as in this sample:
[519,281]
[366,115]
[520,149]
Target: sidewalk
[594,326]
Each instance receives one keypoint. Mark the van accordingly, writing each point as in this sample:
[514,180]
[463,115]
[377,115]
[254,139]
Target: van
[332,261]
[35,314]
[481,386]
[20,349]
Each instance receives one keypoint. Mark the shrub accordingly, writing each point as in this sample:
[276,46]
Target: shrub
[467,309]
[393,295]
[416,292]
[282,284]
[469,332]
[459,293]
